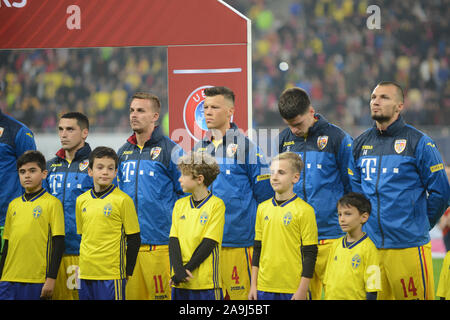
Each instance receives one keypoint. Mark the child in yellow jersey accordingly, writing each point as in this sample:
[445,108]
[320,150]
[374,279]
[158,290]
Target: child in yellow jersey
[196,232]
[33,234]
[353,269]
[285,248]
[110,235]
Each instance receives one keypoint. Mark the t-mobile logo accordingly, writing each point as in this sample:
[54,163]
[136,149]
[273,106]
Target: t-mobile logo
[128,169]
[367,168]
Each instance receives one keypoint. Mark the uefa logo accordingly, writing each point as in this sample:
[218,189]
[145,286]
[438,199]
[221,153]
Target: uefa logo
[193,116]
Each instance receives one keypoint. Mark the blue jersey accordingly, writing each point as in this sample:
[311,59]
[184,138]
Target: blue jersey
[150,177]
[325,152]
[15,139]
[66,181]
[242,183]
[402,173]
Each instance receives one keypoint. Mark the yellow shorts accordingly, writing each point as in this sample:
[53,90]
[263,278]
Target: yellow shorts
[151,275]
[67,282]
[407,274]
[236,266]
[444,279]
[316,286]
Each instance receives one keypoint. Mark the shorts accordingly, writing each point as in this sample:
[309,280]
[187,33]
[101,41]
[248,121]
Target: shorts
[264,295]
[20,290]
[102,289]
[187,294]
[236,266]
[151,275]
[406,274]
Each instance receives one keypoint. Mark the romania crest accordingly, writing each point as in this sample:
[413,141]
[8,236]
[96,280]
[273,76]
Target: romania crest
[107,209]
[1,131]
[400,145]
[154,153]
[322,142]
[83,164]
[231,149]
[37,212]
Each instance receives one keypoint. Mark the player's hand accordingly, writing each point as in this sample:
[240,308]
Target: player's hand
[252,295]
[298,296]
[189,276]
[47,288]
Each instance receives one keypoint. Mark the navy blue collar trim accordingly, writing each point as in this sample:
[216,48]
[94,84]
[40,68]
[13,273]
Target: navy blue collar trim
[353,244]
[107,193]
[191,200]
[284,203]
[40,194]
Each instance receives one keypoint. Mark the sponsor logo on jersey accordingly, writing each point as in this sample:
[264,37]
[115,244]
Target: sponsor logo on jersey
[37,212]
[107,209]
[288,143]
[399,145]
[322,142]
[154,153]
[437,167]
[83,165]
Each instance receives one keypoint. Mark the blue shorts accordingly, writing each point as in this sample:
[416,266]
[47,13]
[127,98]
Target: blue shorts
[186,294]
[20,290]
[263,295]
[102,289]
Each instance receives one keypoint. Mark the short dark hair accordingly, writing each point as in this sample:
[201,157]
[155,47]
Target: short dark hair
[148,96]
[82,120]
[199,163]
[227,93]
[293,102]
[356,200]
[399,88]
[102,152]
[32,156]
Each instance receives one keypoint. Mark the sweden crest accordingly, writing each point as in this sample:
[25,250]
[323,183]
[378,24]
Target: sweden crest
[204,218]
[37,212]
[400,145]
[356,260]
[107,209]
[322,142]
[287,218]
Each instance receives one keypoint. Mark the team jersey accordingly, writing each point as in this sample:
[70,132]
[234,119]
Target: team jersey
[29,228]
[352,270]
[283,230]
[242,183]
[103,224]
[325,152]
[149,175]
[402,173]
[190,225]
[66,181]
[15,139]
[443,289]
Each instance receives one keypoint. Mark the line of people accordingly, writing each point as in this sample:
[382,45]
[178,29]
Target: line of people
[395,169]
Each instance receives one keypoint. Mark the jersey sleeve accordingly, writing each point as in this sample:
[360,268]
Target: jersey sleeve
[433,176]
[214,230]
[78,216]
[258,171]
[308,227]
[173,229]
[57,218]
[258,223]
[343,159]
[129,216]
[6,228]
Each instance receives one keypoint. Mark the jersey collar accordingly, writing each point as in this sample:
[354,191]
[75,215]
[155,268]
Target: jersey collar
[345,244]
[191,201]
[108,192]
[35,197]
[275,204]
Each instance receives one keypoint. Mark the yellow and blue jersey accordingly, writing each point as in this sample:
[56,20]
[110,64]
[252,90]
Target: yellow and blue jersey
[191,224]
[103,223]
[283,230]
[29,228]
[352,270]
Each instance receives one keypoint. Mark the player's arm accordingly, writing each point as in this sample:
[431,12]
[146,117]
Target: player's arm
[56,256]
[252,295]
[176,261]
[343,158]
[24,141]
[258,172]
[133,244]
[3,258]
[433,176]
[309,254]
